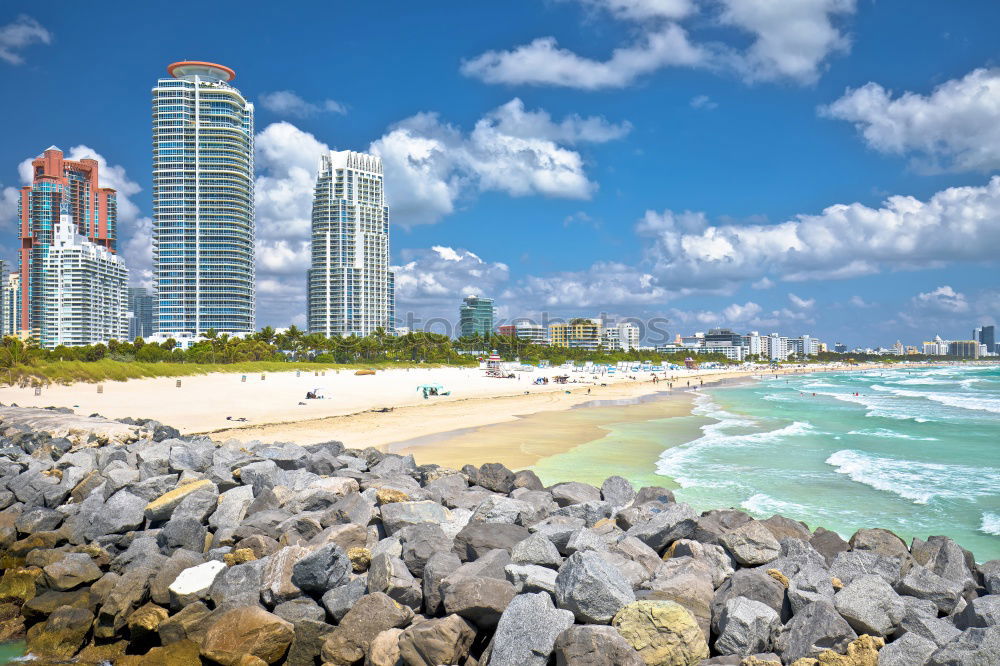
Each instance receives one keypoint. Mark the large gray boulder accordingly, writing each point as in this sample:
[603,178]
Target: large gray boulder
[321,570]
[856,563]
[815,628]
[974,647]
[991,576]
[980,612]
[527,631]
[420,543]
[389,575]
[923,583]
[870,606]
[753,584]
[594,645]
[437,568]
[947,559]
[747,627]
[811,583]
[751,545]
[592,589]
[500,509]
[531,578]
[574,492]
[340,600]
[121,513]
[617,492]
[495,477]
[397,515]
[907,650]
[476,539]
[536,550]
[829,544]
[676,521]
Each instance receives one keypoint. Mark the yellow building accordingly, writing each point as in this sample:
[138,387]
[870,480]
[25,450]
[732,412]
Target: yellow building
[577,333]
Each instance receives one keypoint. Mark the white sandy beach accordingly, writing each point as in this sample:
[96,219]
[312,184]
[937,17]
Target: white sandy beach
[275,407]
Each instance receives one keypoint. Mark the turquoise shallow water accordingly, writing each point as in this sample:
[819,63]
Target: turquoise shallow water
[916,451]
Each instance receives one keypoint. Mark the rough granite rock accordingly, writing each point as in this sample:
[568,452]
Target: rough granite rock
[753,584]
[476,539]
[974,647]
[537,550]
[829,544]
[923,583]
[389,575]
[439,641]
[617,491]
[340,600]
[527,631]
[816,628]
[574,492]
[398,515]
[676,521]
[907,650]
[853,564]
[323,569]
[662,632]
[747,627]
[751,544]
[591,588]
[495,477]
[980,612]
[594,645]
[870,606]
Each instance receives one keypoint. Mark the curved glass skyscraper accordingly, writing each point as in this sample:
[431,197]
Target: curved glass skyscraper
[203,216]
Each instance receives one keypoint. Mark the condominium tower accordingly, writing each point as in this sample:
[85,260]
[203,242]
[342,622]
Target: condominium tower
[475,317]
[58,187]
[81,293]
[350,287]
[203,205]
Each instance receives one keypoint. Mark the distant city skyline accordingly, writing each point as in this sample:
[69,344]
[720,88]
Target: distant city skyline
[850,189]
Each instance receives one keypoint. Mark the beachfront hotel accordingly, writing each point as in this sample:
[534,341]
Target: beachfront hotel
[82,292]
[62,192]
[203,202]
[350,289]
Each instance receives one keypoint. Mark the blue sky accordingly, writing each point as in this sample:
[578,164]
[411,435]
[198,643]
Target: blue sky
[806,166]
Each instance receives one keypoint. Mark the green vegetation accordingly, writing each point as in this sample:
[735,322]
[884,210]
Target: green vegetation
[268,351]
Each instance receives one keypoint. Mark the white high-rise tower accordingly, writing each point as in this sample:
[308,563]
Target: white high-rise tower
[203,206]
[350,286]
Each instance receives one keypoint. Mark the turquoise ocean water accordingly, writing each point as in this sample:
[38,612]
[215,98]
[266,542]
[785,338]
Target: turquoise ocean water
[916,451]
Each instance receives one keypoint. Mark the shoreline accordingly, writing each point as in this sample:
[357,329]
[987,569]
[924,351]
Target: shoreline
[363,411]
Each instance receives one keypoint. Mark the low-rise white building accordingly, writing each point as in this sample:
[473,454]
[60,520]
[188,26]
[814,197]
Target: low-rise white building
[83,298]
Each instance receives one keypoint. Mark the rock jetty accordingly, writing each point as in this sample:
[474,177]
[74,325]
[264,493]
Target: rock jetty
[149,548]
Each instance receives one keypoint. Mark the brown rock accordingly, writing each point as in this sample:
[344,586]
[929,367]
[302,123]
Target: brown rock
[105,653]
[247,630]
[73,570]
[345,535]
[371,615]
[441,641]
[276,578]
[594,645]
[62,634]
[384,650]
[18,585]
[11,623]
[190,624]
[146,620]
[164,505]
[184,653]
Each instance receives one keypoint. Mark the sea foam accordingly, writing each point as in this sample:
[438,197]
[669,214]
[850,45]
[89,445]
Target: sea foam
[919,482]
[991,523]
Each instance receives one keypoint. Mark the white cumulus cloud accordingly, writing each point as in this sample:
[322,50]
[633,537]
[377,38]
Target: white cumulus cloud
[790,40]
[955,127]
[19,34]
[288,103]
